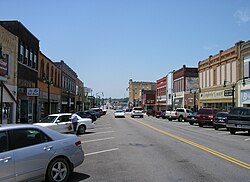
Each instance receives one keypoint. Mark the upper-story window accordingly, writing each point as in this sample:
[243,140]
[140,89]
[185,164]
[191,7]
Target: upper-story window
[47,71]
[26,56]
[30,59]
[55,80]
[21,55]
[52,74]
[34,65]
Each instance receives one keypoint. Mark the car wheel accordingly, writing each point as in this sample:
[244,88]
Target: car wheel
[232,131]
[216,127]
[58,170]
[169,119]
[81,129]
[191,123]
[180,118]
[200,125]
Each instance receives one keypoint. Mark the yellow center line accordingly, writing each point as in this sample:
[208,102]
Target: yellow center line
[219,154]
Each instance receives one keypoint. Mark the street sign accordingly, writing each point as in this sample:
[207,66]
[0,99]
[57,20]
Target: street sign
[33,92]
[228,92]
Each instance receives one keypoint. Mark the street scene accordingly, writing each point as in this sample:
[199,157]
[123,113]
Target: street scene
[125,91]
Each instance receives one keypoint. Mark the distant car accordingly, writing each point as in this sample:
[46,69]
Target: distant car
[150,112]
[119,114]
[160,114]
[62,123]
[220,120]
[192,119]
[137,111]
[96,113]
[205,116]
[99,110]
[35,153]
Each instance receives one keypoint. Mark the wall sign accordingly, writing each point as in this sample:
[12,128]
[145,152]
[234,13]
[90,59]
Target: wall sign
[33,92]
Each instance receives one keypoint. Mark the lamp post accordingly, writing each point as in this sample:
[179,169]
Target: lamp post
[233,85]
[49,83]
[194,92]
[1,85]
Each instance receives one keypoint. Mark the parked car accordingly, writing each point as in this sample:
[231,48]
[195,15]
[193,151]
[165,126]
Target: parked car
[180,114]
[84,114]
[62,123]
[137,111]
[96,113]
[220,120]
[238,119]
[192,119]
[150,112]
[32,153]
[160,114]
[119,113]
[98,110]
[205,116]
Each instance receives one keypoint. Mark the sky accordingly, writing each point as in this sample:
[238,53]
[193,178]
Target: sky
[108,42]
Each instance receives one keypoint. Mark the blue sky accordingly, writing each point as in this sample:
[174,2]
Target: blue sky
[107,42]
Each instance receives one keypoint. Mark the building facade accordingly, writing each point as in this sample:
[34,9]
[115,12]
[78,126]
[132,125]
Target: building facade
[80,96]
[8,76]
[68,87]
[217,76]
[27,91]
[161,99]
[148,99]
[135,89]
[185,81]
[49,84]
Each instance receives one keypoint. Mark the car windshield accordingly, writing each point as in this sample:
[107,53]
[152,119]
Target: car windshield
[221,114]
[119,111]
[48,119]
[138,109]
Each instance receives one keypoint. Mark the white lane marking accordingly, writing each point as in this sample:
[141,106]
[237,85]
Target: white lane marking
[247,139]
[101,132]
[223,133]
[103,127]
[102,151]
[87,141]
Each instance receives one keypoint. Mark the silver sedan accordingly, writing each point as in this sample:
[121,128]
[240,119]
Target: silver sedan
[35,153]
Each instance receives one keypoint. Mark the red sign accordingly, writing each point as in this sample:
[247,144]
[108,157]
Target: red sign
[4,64]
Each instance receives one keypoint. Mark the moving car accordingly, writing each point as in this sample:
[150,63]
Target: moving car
[238,120]
[32,153]
[137,111]
[119,113]
[220,120]
[62,123]
[205,116]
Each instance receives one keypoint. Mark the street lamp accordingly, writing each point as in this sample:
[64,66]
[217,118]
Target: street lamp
[233,85]
[49,83]
[1,85]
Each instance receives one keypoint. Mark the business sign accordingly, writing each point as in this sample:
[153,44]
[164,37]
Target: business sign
[32,92]
[245,96]
[4,65]
[228,92]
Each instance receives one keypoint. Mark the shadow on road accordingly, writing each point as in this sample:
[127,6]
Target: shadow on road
[76,177]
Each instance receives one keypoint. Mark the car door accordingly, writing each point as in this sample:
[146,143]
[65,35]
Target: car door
[64,124]
[7,161]
[33,150]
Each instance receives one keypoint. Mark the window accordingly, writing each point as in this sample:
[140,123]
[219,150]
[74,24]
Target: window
[30,59]
[26,56]
[35,62]
[222,73]
[3,141]
[42,69]
[26,137]
[47,71]
[228,72]
[52,74]
[21,53]
[55,80]
[218,82]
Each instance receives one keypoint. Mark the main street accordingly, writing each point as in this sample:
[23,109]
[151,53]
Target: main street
[151,150]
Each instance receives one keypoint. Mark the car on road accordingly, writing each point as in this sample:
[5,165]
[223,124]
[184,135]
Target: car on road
[137,112]
[205,116]
[192,119]
[180,114]
[238,120]
[119,113]
[61,122]
[34,153]
[84,114]
[220,120]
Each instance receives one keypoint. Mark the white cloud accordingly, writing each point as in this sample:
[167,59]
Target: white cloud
[242,16]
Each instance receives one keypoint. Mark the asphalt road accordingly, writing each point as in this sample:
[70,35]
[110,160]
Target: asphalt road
[157,150]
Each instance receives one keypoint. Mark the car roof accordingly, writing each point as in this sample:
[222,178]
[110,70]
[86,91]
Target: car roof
[208,108]
[60,114]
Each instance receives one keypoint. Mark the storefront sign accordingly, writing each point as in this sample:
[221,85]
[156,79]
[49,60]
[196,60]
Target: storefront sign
[33,92]
[228,92]
[212,95]
[245,96]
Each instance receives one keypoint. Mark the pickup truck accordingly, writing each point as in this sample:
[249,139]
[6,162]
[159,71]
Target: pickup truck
[179,113]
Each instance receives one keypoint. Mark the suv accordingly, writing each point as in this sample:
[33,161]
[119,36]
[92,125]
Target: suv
[238,120]
[137,111]
[205,116]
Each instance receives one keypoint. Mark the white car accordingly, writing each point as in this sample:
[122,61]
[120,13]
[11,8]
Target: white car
[119,113]
[137,111]
[62,123]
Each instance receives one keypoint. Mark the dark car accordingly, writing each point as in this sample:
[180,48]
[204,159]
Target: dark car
[192,119]
[84,114]
[220,120]
[161,114]
[150,112]
[238,120]
[205,116]
[97,114]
